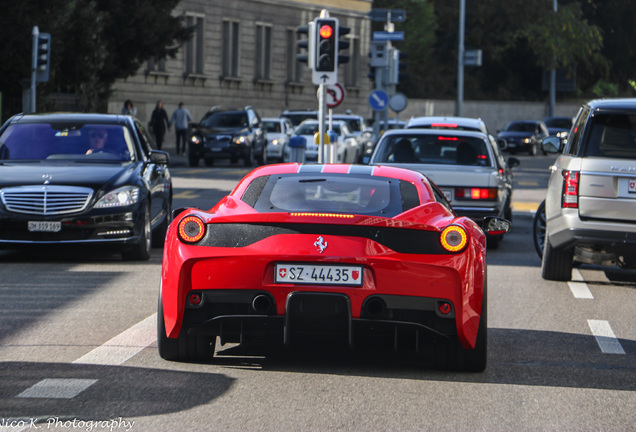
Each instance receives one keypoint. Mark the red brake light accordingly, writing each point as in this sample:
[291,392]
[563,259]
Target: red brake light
[444,125]
[476,193]
[443,138]
[191,229]
[570,198]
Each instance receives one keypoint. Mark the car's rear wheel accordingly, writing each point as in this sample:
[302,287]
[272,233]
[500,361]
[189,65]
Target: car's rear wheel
[538,229]
[141,250]
[556,264]
[185,347]
[208,162]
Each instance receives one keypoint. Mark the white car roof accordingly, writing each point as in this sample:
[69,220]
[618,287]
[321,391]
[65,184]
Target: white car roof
[447,121]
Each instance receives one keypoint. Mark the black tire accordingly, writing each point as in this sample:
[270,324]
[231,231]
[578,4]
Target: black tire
[141,250]
[185,348]
[159,234]
[538,229]
[556,264]
[168,348]
[208,162]
[193,160]
[262,158]
[492,242]
[533,150]
[248,159]
[453,356]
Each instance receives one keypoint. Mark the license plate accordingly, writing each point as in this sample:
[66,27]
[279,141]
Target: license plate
[448,194]
[631,186]
[319,274]
[42,226]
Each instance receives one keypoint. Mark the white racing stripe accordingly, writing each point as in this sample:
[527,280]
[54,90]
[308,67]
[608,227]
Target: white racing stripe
[605,337]
[579,287]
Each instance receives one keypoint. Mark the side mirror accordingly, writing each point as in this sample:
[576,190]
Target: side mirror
[159,157]
[513,162]
[551,144]
[496,225]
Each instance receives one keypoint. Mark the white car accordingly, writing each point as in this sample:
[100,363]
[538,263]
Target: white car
[472,175]
[278,131]
[344,146]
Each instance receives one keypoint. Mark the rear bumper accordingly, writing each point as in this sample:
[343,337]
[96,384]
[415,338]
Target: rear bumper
[402,322]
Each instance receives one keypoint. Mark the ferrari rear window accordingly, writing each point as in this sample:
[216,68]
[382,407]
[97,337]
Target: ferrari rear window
[334,193]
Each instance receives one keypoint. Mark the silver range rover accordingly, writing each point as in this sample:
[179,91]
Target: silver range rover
[590,203]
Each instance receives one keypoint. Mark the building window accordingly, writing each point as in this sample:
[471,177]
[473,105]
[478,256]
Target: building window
[353,67]
[155,65]
[194,47]
[263,46]
[230,49]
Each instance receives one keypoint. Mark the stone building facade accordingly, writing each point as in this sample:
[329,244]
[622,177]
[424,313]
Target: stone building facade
[244,53]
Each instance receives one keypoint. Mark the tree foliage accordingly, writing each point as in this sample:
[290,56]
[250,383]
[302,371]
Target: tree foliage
[94,43]
[520,40]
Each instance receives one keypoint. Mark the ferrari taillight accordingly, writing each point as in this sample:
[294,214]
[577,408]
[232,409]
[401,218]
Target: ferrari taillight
[476,193]
[570,197]
[454,238]
[191,229]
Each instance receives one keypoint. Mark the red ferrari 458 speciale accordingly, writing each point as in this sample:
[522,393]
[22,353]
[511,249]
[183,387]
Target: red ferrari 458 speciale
[299,254]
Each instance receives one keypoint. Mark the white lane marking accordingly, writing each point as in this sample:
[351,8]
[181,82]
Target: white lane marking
[579,287]
[57,388]
[605,337]
[115,352]
[123,346]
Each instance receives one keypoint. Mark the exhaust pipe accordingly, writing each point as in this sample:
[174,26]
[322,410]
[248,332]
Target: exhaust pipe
[262,304]
[375,307]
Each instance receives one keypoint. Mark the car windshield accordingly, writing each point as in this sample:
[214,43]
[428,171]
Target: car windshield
[272,127]
[520,127]
[225,120]
[307,129]
[76,141]
[433,149]
[613,136]
[341,193]
[563,123]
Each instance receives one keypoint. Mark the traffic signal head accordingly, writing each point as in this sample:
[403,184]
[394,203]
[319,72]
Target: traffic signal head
[43,51]
[326,45]
[306,44]
[343,44]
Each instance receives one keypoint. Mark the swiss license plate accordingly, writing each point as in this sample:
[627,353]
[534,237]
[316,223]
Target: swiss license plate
[44,226]
[319,274]
[448,194]
[631,186]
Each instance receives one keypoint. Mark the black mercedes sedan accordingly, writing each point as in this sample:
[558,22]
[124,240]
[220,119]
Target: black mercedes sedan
[82,179]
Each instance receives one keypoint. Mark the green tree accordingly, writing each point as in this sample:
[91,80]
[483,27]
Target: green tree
[94,43]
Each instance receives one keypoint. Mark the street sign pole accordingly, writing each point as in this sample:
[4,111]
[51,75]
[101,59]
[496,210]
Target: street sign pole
[321,123]
[34,66]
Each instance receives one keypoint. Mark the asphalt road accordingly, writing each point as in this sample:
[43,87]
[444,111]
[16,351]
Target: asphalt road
[78,350]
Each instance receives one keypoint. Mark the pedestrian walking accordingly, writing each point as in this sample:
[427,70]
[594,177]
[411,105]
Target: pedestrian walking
[180,117]
[129,108]
[158,123]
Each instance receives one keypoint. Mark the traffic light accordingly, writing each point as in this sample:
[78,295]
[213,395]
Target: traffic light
[306,44]
[343,44]
[326,44]
[396,66]
[42,57]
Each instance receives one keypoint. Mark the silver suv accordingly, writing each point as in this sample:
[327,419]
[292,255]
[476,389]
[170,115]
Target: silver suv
[590,205]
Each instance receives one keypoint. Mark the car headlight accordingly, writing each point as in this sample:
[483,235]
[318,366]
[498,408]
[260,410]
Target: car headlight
[196,139]
[527,140]
[124,196]
[241,139]
[276,142]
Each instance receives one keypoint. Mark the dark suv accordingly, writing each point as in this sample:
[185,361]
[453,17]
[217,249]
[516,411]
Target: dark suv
[591,197]
[228,134]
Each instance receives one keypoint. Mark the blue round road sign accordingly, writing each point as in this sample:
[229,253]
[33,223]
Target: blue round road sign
[378,100]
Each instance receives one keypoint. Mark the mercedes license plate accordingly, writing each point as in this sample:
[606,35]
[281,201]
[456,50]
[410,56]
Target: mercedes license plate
[45,226]
[312,274]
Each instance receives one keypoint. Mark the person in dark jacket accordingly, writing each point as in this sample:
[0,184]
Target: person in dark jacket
[158,123]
